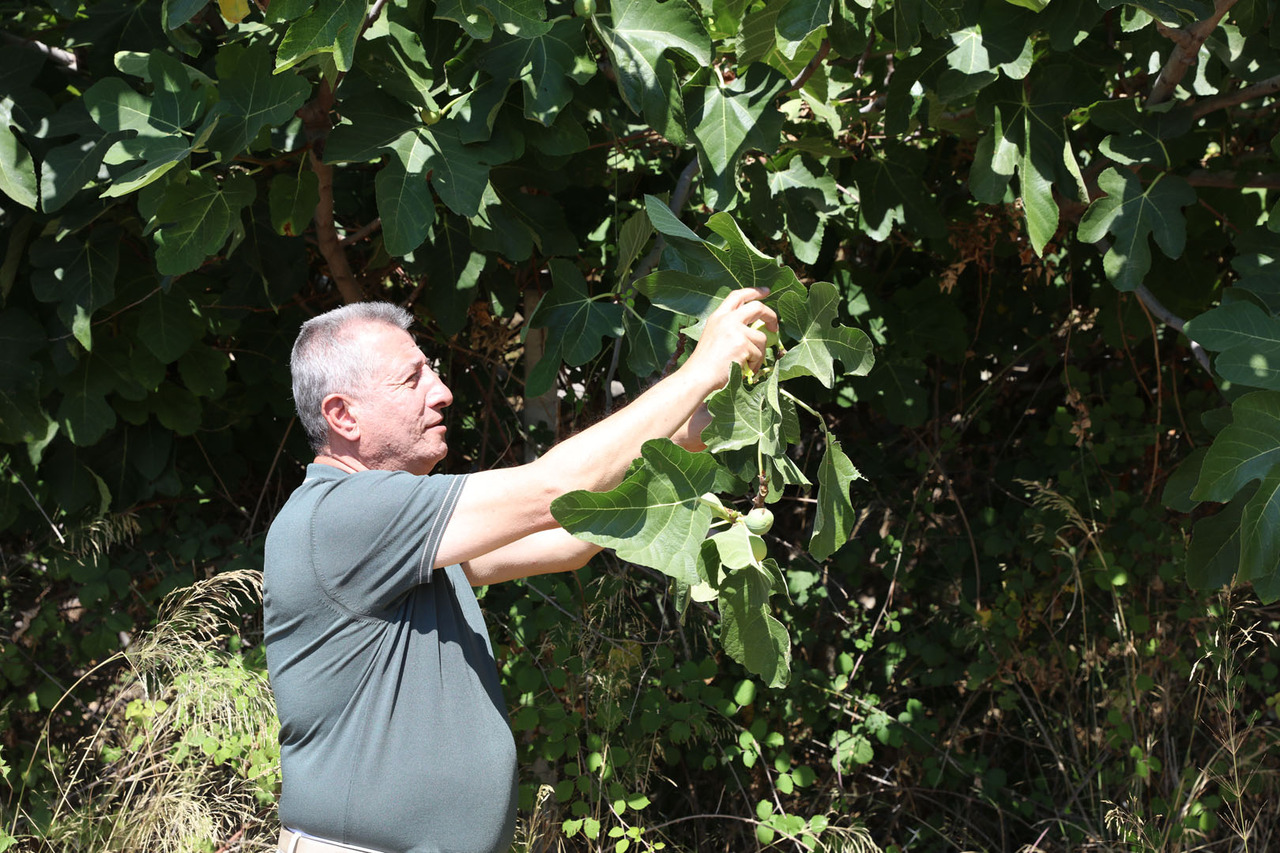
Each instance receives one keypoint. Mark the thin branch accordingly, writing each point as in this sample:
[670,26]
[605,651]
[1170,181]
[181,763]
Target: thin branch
[316,126]
[327,236]
[1233,180]
[362,232]
[803,77]
[65,58]
[1188,41]
[1170,319]
[1258,90]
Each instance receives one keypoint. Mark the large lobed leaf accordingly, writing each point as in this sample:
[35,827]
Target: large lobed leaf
[654,517]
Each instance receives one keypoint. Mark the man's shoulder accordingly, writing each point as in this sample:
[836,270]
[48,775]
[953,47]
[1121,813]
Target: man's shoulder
[357,497]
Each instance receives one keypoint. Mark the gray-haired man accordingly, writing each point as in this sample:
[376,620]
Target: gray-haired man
[394,735]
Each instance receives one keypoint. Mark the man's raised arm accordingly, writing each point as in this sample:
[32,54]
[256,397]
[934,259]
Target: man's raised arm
[498,507]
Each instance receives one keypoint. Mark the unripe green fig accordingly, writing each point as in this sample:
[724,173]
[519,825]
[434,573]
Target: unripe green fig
[584,8]
[770,336]
[759,521]
[430,117]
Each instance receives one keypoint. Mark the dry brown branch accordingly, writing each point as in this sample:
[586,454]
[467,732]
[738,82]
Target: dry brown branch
[1188,41]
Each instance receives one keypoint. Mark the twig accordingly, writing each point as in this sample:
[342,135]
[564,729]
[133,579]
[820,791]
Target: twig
[1262,88]
[1170,319]
[364,231]
[65,58]
[1188,41]
[803,77]
[267,480]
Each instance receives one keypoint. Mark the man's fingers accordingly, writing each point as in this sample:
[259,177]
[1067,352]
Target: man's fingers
[737,298]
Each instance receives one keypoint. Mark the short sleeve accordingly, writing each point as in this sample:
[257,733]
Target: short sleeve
[376,534]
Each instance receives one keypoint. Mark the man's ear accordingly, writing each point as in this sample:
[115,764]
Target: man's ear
[340,416]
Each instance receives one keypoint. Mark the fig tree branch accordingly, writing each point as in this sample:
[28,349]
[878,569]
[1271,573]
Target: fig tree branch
[316,125]
[1188,41]
[1261,89]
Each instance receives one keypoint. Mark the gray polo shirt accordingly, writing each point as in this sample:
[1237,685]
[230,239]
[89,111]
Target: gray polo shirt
[393,730]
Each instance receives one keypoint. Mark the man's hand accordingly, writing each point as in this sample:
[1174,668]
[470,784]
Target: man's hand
[496,508]
[727,337]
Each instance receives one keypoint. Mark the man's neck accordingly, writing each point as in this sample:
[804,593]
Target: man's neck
[343,463]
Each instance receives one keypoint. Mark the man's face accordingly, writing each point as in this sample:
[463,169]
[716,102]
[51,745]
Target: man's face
[401,412]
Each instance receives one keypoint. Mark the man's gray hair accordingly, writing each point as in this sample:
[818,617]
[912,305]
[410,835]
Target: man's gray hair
[324,361]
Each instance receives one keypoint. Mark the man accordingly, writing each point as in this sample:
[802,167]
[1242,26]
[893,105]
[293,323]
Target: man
[393,729]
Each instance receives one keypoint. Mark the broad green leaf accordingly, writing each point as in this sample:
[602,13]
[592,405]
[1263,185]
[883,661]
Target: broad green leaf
[994,162]
[731,264]
[889,191]
[79,274]
[460,173]
[1248,339]
[820,340]
[331,28]
[1244,451]
[654,517]
[178,92]
[742,416]
[85,417]
[1131,212]
[452,269]
[21,337]
[115,106]
[177,408]
[798,19]
[26,422]
[637,34]
[168,326]
[749,632]
[1260,533]
[632,237]
[542,216]
[739,548]
[969,56]
[178,12]
[758,35]
[577,321]
[1179,485]
[651,338]
[1256,366]
[158,140]
[1036,185]
[196,219]
[394,56]
[1232,325]
[372,123]
[727,122]
[66,169]
[405,202]
[544,65]
[1138,137]
[666,222]
[17,170]
[292,200]
[1213,558]
[479,18]
[835,516]
[1027,122]
[251,97]
[204,371]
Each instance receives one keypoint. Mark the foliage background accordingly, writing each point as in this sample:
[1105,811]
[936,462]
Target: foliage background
[1045,630]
